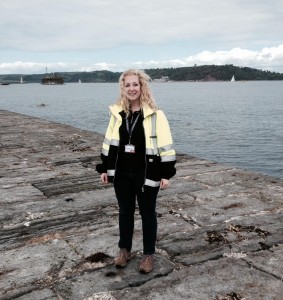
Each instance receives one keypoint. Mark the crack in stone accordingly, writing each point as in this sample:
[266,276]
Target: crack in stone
[263,270]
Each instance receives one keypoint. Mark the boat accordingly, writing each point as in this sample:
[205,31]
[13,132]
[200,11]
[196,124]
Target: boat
[22,80]
[80,81]
[233,78]
[5,83]
[162,79]
[52,79]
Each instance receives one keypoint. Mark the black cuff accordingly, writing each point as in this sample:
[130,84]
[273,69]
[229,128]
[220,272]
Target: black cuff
[100,168]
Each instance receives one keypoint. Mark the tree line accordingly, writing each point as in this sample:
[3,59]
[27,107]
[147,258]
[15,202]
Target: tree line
[195,73]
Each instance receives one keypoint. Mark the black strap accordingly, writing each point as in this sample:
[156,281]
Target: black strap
[131,129]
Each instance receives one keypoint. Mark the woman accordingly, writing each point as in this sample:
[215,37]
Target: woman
[138,157]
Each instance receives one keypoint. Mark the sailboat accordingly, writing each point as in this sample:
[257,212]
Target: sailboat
[233,78]
[22,80]
[80,81]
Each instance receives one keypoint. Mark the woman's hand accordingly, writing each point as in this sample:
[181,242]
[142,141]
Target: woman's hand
[164,183]
[104,177]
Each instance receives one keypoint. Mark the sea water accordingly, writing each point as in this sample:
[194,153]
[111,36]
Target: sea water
[238,123]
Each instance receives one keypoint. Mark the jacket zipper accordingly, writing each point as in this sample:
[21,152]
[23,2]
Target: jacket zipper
[145,171]
[116,161]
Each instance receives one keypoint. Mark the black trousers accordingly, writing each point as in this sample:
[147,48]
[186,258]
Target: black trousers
[129,187]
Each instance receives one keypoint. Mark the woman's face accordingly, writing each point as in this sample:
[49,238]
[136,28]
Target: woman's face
[132,87]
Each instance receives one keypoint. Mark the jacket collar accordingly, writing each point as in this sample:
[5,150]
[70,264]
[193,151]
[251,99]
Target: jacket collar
[116,109]
[147,111]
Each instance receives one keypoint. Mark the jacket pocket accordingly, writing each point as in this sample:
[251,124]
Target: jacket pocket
[153,167]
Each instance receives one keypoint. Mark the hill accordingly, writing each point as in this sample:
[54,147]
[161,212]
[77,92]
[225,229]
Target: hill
[195,73]
[213,73]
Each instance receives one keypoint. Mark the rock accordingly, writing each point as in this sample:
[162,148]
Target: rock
[220,228]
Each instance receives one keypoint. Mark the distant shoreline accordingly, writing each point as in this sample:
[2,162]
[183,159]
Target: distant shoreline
[209,73]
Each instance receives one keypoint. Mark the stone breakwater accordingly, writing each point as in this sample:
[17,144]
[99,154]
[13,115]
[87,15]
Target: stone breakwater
[220,228]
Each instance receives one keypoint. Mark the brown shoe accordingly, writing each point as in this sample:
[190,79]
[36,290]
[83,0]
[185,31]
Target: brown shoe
[146,265]
[122,259]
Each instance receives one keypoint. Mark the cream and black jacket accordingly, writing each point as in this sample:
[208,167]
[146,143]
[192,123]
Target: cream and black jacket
[160,155]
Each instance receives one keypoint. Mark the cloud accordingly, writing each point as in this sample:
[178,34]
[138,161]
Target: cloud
[20,67]
[266,59]
[87,35]
[94,24]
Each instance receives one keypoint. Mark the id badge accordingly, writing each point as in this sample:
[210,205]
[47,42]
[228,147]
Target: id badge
[129,148]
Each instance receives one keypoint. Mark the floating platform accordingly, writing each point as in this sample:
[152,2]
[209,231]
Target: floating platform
[52,80]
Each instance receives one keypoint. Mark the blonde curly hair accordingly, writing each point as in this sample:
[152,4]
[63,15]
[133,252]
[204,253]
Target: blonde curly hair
[146,97]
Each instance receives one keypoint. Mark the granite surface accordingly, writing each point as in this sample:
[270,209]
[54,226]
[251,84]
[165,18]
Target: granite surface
[220,228]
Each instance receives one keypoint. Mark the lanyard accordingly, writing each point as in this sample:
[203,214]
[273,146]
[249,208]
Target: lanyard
[130,130]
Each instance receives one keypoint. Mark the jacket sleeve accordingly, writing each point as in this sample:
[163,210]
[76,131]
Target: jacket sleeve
[102,167]
[165,146]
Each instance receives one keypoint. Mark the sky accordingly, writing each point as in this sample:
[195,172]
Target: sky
[114,35]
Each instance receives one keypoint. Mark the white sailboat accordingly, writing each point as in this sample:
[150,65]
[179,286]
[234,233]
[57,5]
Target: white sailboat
[233,78]
[22,80]
[80,81]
